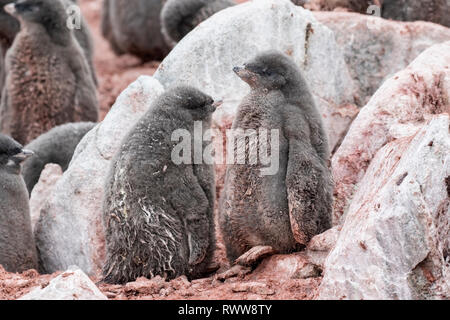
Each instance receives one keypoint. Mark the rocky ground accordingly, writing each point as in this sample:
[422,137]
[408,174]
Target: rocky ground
[390,80]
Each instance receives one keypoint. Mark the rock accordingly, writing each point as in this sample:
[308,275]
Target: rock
[235,35]
[73,284]
[144,286]
[437,11]
[376,48]
[42,190]
[285,267]
[400,108]
[253,287]
[395,239]
[321,245]
[70,228]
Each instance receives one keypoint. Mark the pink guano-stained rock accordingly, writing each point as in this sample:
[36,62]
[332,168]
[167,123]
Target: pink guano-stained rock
[73,284]
[70,228]
[394,243]
[400,108]
[376,48]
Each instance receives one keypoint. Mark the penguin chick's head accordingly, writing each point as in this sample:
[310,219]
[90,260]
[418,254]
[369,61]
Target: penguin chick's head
[9,26]
[49,13]
[12,153]
[271,70]
[199,105]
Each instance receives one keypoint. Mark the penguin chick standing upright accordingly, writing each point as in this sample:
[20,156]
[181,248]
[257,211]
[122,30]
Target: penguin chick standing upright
[17,247]
[9,26]
[158,212]
[48,80]
[179,17]
[56,146]
[288,207]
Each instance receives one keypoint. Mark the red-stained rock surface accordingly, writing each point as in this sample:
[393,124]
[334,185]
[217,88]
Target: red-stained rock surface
[401,107]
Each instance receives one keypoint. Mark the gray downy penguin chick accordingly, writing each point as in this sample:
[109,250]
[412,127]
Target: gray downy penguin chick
[9,27]
[134,27]
[179,17]
[56,146]
[285,209]
[48,81]
[17,246]
[158,215]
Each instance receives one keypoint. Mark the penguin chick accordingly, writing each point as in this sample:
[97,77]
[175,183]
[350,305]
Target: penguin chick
[56,146]
[48,79]
[158,215]
[287,207]
[179,17]
[17,247]
[9,27]
[134,27]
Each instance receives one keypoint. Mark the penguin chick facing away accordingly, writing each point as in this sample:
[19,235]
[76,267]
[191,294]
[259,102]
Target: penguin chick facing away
[134,27]
[287,208]
[179,17]
[56,146]
[158,215]
[9,27]
[17,247]
[48,79]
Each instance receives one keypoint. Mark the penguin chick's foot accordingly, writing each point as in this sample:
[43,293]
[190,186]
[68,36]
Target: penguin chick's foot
[235,271]
[255,255]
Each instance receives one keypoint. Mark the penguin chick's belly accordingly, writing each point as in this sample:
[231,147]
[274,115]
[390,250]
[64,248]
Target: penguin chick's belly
[41,91]
[259,212]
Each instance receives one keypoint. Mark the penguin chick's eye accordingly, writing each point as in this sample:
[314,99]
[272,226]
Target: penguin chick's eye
[25,6]
[265,72]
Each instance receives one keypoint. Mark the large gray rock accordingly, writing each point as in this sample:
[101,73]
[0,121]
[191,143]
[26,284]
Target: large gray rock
[206,56]
[73,284]
[376,48]
[42,190]
[70,230]
[395,240]
[400,108]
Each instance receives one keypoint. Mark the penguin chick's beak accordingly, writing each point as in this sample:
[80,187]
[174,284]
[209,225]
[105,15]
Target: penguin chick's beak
[11,9]
[23,155]
[217,104]
[244,73]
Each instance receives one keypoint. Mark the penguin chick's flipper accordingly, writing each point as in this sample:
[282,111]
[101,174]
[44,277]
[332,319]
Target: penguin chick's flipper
[308,182]
[192,205]
[255,255]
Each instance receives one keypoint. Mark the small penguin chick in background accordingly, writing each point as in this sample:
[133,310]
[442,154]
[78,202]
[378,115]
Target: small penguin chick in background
[48,79]
[278,212]
[179,17]
[56,146]
[9,27]
[17,246]
[158,213]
